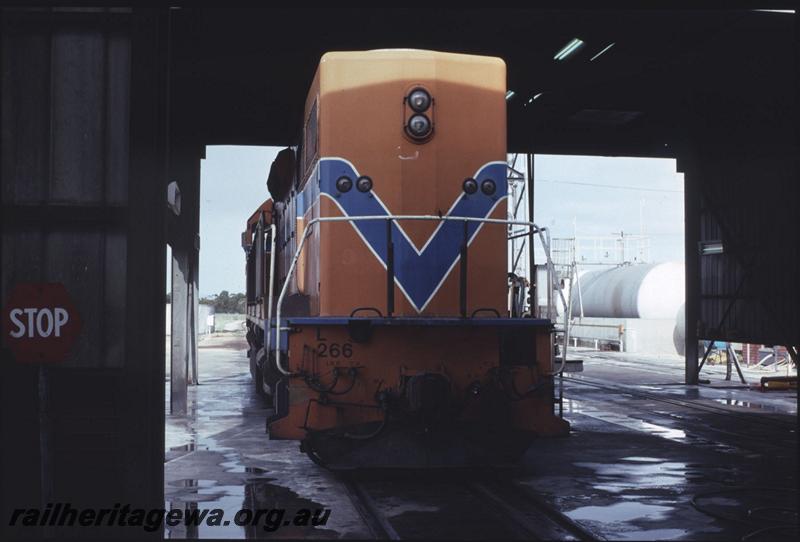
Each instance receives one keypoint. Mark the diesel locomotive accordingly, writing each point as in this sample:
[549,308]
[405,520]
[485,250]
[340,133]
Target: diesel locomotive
[377,284]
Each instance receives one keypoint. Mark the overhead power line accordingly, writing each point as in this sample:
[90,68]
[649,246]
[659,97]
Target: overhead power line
[616,186]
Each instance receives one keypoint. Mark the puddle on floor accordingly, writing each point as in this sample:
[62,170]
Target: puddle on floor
[653,534]
[185,448]
[637,473]
[279,505]
[191,482]
[636,424]
[396,509]
[580,407]
[620,512]
[616,519]
[752,405]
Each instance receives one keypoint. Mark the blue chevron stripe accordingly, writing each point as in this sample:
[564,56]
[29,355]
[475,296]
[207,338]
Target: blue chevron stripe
[418,273]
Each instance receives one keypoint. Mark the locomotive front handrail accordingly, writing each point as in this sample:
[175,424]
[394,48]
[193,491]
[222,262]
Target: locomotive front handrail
[389,219]
[272,232]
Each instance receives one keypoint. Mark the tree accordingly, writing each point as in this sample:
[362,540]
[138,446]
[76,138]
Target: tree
[227,302]
[240,306]
[223,301]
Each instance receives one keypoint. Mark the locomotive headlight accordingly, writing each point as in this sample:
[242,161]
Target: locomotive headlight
[419,126]
[419,100]
[470,185]
[364,184]
[488,187]
[344,183]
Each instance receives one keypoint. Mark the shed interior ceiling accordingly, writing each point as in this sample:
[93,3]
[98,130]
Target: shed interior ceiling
[245,72]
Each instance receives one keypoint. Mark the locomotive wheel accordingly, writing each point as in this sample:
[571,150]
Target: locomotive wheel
[258,380]
[262,390]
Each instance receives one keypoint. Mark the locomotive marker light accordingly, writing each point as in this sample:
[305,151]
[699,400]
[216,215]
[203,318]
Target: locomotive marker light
[419,126]
[488,187]
[470,185]
[364,184]
[344,184]
[40,322]
[419,100]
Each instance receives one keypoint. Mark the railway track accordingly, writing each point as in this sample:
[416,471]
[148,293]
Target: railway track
[751,432]
[750,418]
[505,506]
[533,516]
[377,523]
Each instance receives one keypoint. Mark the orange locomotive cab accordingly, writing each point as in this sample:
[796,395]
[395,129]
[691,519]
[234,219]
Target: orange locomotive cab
[389,337]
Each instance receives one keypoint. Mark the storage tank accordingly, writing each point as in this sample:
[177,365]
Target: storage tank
[679,333]
[653,290]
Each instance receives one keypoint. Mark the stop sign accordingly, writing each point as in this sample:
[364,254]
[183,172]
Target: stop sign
[40,323]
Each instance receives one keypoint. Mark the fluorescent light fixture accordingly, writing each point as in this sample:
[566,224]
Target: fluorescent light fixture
[569,49]
[711,247]
[510,94]
[609,46]
[534,97]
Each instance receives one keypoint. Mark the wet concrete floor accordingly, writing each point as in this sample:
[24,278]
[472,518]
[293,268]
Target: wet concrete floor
[647,459]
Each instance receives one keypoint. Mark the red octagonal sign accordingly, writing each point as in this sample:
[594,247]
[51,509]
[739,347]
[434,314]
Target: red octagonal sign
[40,323]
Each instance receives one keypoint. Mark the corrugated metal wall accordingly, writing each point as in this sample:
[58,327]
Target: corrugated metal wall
[750,292]
[84,157]
[740,156]
[66,143]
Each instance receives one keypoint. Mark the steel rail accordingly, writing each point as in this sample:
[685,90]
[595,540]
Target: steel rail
[377,523]
[539,521]
[751,418]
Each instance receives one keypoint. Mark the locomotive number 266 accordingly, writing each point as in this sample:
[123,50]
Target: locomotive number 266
[334,350]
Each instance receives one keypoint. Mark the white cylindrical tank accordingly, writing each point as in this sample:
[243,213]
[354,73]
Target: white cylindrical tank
[631,291]
[679,333]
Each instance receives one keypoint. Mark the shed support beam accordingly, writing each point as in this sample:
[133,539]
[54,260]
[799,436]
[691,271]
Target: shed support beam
[179,356]
[691,210]
[531,246]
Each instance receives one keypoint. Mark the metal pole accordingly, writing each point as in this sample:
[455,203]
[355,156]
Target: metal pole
[268,327]
[551,275]
[734,357]
[389,269]
[580,293]
[517,257]
[531,258]
[463,277]
[728,362]
[705,357]
[512,187]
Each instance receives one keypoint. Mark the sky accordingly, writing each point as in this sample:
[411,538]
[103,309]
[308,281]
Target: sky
[233,184]
[601,196]
[587,195]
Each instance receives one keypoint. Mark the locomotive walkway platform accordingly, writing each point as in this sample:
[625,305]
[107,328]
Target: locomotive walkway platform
[648,458]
